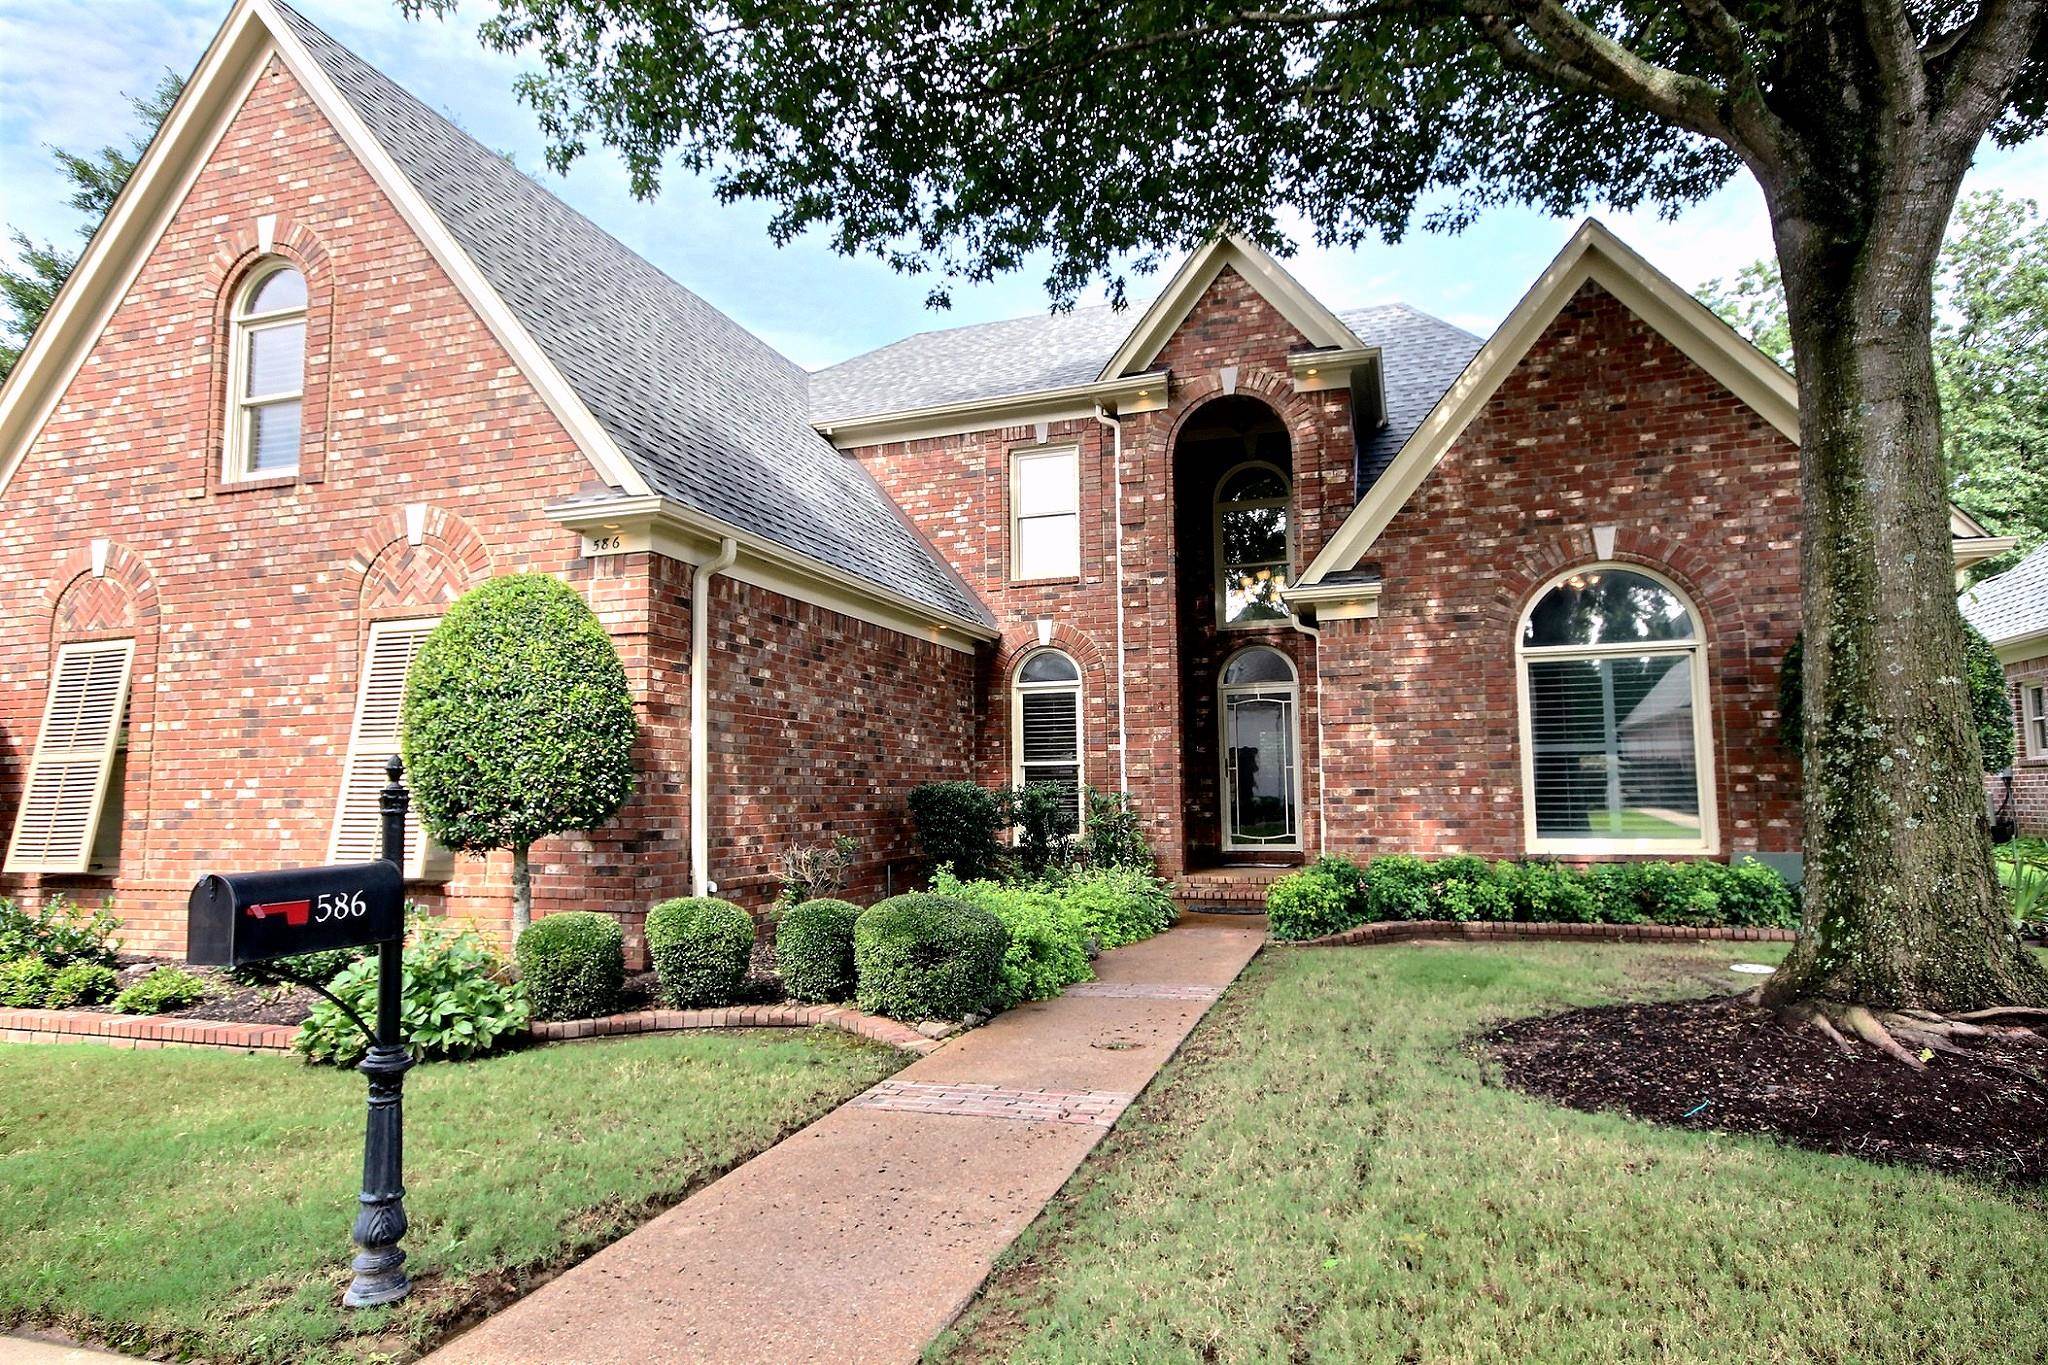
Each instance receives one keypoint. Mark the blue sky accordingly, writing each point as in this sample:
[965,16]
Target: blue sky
[64,65]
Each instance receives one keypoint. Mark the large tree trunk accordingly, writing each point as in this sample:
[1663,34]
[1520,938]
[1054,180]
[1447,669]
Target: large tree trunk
[1902,906]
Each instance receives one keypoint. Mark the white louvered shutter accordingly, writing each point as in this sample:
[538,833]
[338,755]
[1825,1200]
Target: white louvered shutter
[62,802]
[358,827]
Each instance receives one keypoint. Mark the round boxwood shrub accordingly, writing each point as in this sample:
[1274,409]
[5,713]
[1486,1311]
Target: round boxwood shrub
[573,964]
[922,956]
[814,950]
[700,948]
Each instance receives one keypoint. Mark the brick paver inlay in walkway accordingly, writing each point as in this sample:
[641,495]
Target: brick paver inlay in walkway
[1133,990]
[859,1239]
[1099,1107]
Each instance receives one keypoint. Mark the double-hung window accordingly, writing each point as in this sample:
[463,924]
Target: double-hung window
[2034,719]
[266,374]
[1045,514]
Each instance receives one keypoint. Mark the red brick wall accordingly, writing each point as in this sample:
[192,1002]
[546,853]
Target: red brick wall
[2029,775]
[821,725]
[250,605]
[1603,424]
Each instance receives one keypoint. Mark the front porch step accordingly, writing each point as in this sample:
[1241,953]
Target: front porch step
[1239,890]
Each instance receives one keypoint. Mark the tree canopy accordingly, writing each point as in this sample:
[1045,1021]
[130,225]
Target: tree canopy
[28,288]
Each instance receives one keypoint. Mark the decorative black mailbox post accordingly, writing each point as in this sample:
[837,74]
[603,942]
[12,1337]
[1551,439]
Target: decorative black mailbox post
[241,918]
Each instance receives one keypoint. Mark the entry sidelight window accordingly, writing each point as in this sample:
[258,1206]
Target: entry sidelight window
[71,803]
[1615,749]
[1047,725]
[1252,541]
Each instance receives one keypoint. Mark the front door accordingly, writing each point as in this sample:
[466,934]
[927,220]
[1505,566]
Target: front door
[1261,800]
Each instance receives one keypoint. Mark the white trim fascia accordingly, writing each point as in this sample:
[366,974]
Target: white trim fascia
[1319,371]
[659,525]
[1336,601]
[2021,648]
[1976,549]
[1126,397]
[1594,254]
[1165,314]
[127,237]
[251,34]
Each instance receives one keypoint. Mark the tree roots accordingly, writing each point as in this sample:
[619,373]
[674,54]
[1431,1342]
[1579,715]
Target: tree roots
[1912,1037]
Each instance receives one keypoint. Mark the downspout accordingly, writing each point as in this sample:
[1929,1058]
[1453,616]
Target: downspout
[1322,812]
[1123,748]
[700,722]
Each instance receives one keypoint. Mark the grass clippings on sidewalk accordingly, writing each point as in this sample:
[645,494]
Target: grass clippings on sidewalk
[197,1203]
[1330,1171]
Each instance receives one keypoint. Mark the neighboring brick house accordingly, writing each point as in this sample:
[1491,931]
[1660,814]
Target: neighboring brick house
[2011,610]
[1295,579]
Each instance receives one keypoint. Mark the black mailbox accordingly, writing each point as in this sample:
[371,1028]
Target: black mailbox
[245,917]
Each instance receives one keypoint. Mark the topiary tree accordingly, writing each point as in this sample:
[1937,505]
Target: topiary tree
[517,723]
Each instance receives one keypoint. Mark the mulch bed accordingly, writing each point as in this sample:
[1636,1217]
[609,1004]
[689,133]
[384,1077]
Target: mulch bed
[1713,1065]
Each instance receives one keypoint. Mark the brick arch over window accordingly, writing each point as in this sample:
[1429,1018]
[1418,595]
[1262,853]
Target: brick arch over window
[238,253]
[396,577]
[1299,413]
[1098,696]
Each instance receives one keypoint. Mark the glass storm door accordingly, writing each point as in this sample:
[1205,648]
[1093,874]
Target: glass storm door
[1259,800]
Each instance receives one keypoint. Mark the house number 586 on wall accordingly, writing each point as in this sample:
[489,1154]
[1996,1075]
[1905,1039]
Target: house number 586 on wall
[338,905]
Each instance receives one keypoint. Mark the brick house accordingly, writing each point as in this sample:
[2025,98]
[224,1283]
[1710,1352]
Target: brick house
[1295,579]
[2011,610]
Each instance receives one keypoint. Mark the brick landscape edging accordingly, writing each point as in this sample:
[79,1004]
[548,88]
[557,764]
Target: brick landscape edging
[128,1031]
[1392,931]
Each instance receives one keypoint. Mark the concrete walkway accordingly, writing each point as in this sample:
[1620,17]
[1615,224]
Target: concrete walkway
[861,1237]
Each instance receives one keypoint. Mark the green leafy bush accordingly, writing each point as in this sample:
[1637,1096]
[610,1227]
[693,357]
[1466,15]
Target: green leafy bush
[573,965]
[81,983]
[1048,938]
[922,956]
[58,932]
[1397,886]
[1546,893]
[700,948]
[163,990]
[25,982]
[1463,888]
[517,722]
[814,950]
[459,1001]
[957,827]
[1119,905]
[1045,829]
[1311,903]
[1115,836]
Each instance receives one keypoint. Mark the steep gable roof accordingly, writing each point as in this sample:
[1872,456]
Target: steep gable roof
[665,394]
[2012,607]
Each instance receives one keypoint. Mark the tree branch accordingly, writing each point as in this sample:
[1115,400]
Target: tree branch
[1982,66]
[1897,51]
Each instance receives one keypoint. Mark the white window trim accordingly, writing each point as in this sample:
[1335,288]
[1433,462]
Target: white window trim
[2034,719]
[1018,457]
[1286,505]
[1224,691]
[1018,691]
[1694,649]
[80,862]
[236,447]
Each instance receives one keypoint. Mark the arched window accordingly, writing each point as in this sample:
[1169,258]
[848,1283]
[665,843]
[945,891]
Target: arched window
[1616,754]
[1261,784]
[1046,725]
[266,373]
[1252,543]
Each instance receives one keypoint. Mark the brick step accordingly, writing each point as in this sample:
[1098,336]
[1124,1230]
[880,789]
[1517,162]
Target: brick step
[1235,887]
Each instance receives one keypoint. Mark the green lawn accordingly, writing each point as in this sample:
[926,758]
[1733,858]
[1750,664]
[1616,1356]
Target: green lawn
[1326,1173]
[192,1202]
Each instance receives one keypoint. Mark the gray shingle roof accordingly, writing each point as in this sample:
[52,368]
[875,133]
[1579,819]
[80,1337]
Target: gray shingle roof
[709,414]
[1422,355]
[2011,605]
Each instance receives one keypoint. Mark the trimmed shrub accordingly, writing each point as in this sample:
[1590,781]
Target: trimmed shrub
[1397,886]
[957,824]
[165,989]
[1115,836]
[1119,905]
[25,982]
[923,956]
[573,965]
[58,932]
[1545,893]
[1048,939]
[1310,903]
[1463,887]
[81,983]
[814,950]
[700,948]
[459,1001]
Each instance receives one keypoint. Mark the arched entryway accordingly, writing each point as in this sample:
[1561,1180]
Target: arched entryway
[1234,521]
